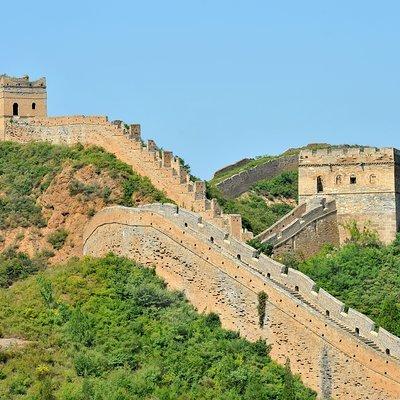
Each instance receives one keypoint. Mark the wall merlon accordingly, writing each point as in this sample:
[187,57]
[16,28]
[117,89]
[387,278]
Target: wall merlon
[389,343]
[359,322]
[135,132]
[269,267]
[329,304]
[166,157]
[300,282]
[151,145]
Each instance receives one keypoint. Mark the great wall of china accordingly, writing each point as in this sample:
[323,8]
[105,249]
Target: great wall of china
[241,182]
[338,352]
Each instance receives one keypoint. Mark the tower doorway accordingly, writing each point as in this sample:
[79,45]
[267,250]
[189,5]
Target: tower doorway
[15,109]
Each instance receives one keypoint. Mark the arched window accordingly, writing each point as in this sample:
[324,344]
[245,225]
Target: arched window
[320,186]
[33,106]
[15,109]
[372,179]
[353,180]
[338,179]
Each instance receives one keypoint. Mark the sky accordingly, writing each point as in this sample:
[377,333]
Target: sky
[216,80]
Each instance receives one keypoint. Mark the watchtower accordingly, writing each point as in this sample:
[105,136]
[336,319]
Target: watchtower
[364,182]
[21,98]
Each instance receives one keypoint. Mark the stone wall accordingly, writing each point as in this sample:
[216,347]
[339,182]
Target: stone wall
[337,353]
[239,163]
[311,237]
[305,229]
[241,182]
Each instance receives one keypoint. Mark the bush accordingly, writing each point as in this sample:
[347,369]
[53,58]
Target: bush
[265,248]
[262,302]
[57,238]
[364,274]
[126,337]
[283,185]
[16,265]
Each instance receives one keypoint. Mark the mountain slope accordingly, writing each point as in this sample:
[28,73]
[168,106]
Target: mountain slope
[108,329]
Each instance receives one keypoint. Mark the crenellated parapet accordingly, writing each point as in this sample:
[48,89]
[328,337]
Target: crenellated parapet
[10,82]
[364,359]
[347,156]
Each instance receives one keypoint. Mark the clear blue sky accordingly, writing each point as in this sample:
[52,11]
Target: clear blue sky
[217,80]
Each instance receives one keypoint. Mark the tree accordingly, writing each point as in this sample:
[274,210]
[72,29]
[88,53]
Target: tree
[288,385]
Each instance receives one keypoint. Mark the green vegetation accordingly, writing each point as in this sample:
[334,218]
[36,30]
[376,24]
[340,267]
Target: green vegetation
[265,248]
[364,274]
[283,185]
[108,329]
[15,265]
[27,170]
[257,215]
[258,160]
[262,301]
[221,176]
[58,238]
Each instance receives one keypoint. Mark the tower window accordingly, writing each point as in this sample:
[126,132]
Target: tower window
[353,180]
[372,178]
[15,109]
[339,180]
[33,106]
[320,186]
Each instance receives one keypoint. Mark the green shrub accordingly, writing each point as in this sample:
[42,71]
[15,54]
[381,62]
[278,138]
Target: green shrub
[57,238]
[283,185]
[364,274]
[265,248]
[15,265]
[262,302]
[114,344]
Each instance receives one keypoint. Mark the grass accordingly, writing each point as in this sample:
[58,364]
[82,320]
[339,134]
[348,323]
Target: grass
[108,329]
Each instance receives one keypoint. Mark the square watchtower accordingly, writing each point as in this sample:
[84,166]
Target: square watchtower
[21,98]
[364,182]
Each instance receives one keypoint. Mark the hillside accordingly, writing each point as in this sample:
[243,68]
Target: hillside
[108,329]
[363,273]
[247,164]
[265,203]
[48,193]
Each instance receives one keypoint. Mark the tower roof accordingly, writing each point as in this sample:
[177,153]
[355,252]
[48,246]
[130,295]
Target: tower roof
[23,82]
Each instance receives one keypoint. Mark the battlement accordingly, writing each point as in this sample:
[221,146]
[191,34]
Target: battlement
[69,120]
[23,82]
[347,155]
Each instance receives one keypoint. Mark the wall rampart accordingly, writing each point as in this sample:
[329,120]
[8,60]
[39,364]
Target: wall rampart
[353,343]
[161,166]
[287,219]
[239,183]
